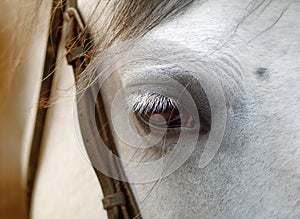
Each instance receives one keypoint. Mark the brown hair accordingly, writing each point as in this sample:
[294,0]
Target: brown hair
[16,24]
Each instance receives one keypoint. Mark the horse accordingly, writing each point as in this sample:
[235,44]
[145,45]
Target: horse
[202,100]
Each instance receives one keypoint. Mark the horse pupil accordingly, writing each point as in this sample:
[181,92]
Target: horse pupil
[169,118]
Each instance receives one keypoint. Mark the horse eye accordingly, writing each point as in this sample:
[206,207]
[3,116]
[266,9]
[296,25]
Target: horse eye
[167,119]
[168,116]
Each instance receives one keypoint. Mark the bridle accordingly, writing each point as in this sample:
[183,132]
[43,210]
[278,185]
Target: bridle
[118,197]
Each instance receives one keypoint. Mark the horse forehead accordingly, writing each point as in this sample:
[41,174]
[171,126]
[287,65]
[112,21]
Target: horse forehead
[208,24]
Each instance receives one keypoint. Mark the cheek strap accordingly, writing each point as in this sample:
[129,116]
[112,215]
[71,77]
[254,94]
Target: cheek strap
[118,197]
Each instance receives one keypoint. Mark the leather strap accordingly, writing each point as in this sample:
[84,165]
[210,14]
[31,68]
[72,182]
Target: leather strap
[45,92]
[113,200]
[118,197]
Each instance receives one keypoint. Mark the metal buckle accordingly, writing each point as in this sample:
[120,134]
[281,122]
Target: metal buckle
[73,13]
[74,27]
[112,200]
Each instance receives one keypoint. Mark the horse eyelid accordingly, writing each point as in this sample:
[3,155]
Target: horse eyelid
[153,102]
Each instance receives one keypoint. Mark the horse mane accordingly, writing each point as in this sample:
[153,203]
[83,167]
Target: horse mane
[113,22]
[120,20]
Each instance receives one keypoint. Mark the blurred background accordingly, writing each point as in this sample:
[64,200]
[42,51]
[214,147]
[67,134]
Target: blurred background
[16,17]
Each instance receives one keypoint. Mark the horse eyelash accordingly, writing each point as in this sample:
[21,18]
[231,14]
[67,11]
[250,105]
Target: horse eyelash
[153,103]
